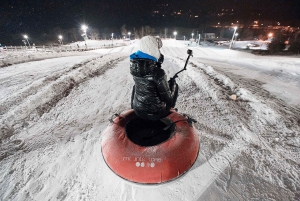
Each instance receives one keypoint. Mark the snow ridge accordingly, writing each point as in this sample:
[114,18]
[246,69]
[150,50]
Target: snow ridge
[246,131]
[46,96]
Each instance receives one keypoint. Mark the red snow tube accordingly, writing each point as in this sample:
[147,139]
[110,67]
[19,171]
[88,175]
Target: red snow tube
[142,151]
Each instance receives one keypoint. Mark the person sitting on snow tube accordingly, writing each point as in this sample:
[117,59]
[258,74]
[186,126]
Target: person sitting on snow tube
[152,96]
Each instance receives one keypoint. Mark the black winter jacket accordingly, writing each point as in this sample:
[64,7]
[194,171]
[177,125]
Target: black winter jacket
[152,92]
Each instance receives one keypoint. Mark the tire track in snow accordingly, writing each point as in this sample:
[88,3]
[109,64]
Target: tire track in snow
[289,116]
[208,50]
[61,143]
[261,115]
[36,105]
[31,87]
[61,151]
[168,51]
[180,52]
[199,52]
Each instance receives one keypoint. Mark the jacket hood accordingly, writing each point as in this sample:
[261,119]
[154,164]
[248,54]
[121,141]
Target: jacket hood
[149,45]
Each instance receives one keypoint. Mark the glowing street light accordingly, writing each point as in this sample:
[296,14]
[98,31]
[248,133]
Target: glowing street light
[270,36]
[235,28]
[236,35]
[192,35]
[60,39]
[175,33]
[26,37]
[129,35]
[84,28]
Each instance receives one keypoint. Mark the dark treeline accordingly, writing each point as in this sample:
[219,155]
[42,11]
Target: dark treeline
[77,34]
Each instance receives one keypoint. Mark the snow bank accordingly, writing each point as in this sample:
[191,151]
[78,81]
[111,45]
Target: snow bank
[10,58]
[46,97]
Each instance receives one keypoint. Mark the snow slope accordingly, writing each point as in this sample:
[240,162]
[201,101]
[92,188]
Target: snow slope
[53,113]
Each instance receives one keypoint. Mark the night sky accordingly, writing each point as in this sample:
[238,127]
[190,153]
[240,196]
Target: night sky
[38,16]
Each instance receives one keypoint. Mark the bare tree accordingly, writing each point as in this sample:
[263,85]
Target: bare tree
[73,34]
[53,34]
[106,33]
[136,33]
[141,32]
[104,36]
[123,30]
[94,33]
[149,30]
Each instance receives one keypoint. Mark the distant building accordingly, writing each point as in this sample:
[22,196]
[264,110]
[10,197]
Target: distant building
[209,36]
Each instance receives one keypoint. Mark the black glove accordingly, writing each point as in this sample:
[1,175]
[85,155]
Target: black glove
[172,83]
[161,59]
[158,64]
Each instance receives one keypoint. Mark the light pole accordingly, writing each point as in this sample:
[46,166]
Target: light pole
[24,41]
[112,39]
[184,38]
[192,35]
[84,28]
[270,35]
[60,39]
[235,28]
[26,37]
[175,33]
[129,35]
[236,36]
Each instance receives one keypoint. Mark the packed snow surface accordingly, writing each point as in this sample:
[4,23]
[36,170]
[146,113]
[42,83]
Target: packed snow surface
[53,113]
